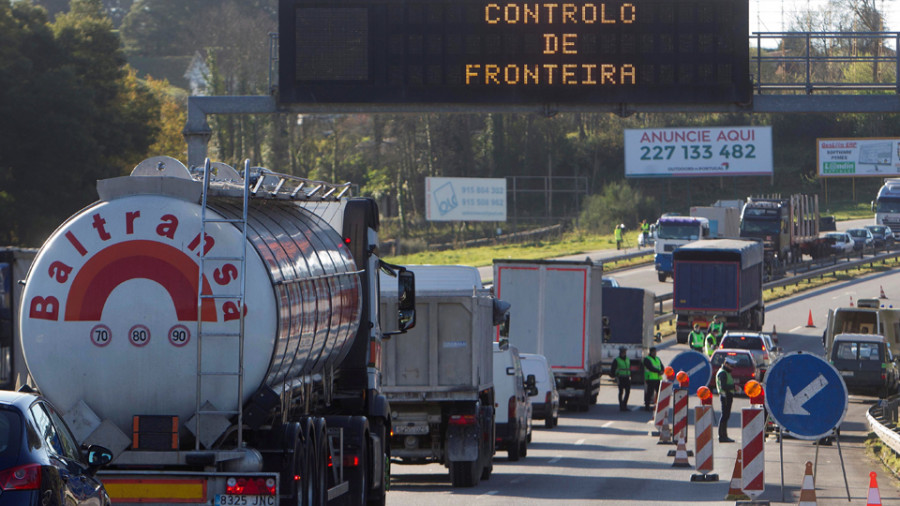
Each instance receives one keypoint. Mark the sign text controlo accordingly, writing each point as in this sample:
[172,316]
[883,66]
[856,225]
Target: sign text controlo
[507,52]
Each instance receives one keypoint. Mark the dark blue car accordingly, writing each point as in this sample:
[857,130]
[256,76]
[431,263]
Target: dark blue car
[40,460]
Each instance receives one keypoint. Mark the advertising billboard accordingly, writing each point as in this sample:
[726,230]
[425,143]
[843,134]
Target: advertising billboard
[465,199]
[698,151]
[859,157]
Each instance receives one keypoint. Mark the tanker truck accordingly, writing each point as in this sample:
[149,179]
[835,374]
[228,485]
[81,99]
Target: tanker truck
[220,332]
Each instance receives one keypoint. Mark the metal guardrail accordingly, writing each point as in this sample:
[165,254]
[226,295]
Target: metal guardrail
[882,418]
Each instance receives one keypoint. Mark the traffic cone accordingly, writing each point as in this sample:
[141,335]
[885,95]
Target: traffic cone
[851,301]
[681,458]
[665,434]
[882,295]
[809,322]
[735,493]
[874,495]
[808,491]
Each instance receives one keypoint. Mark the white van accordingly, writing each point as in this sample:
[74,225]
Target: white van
[545,405]
[511,402]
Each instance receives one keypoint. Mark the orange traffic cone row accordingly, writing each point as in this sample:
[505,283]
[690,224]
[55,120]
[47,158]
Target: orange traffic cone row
[808,491]
[735,493]
[681,457]
[882,295]
[874,498]
[809,322]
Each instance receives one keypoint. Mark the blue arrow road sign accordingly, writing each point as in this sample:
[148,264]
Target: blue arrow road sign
[805,395]
[696,365]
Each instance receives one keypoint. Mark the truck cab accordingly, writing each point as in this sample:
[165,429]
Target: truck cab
[767,220]
[886,206]
[672,232]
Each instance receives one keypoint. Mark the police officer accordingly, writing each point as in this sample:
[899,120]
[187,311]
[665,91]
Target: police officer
[710,343]
[653,370]
[618,234]
[621,370]
[716,327]
[695,338]
[645,231]
[725,386]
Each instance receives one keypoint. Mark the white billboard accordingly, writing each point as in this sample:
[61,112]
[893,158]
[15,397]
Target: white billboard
[698,151]
[465,199]
[858,157]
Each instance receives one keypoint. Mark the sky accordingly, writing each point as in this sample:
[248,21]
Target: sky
[776,15]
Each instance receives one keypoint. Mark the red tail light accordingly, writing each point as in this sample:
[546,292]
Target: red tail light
[250,486]
[547,398]
[351,460]
[463,419]
[27,477]
[511,410]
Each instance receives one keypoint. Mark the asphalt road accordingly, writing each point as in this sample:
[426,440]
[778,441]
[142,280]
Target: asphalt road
[608,457]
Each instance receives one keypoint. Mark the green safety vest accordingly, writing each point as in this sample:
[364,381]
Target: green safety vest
[716,328]
[657,363]
[622,366]
[724,382]
[645,227]
[618,234]
[710,344]
[696,339]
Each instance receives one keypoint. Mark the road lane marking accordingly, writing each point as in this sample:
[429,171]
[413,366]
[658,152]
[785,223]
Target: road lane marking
[607,424]
[580,441]
[486,494]
[554,460]
[795,329]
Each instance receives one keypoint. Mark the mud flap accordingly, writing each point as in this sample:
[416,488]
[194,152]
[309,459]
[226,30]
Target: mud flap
[462,443]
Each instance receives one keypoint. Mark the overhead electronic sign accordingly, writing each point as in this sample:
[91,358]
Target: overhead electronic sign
[490,52]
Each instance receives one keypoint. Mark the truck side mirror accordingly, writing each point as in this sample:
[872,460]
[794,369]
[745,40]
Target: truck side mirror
[658,337]
[531,385]
[406,300]
[606,331]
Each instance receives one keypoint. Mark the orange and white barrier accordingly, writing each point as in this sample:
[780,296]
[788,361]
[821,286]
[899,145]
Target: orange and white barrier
[679,416]
[663,399]
[703,438]
[753,463]
[808,491]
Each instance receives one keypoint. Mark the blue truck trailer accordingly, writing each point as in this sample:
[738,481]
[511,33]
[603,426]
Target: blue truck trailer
[718,277]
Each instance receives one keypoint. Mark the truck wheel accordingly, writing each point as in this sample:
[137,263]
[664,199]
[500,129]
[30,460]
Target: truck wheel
[462,474]
[319,471]
[662,276]
[514,452]
[378,496]
[304,457]
[487,470]
[523,449]
[551,421]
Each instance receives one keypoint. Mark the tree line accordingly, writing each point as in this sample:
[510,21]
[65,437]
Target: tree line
[76,111]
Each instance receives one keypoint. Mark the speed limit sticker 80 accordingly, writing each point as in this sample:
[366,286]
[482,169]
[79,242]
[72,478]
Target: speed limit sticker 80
[139,335]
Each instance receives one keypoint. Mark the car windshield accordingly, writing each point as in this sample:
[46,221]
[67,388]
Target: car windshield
[742,342]
[769,227]
[742,359]
[857,232]
[876,229]
[887,205]
[837,237]
[678,231]
[10,437]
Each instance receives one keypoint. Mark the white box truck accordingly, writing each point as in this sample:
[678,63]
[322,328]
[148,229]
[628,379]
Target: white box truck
[438,377]
[557,312]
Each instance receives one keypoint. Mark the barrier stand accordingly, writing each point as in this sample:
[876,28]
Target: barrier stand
[680,408]
[703,422]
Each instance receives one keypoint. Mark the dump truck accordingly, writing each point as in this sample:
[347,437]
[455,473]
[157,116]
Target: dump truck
[220,332]
[788,227]
[718,277]
[557,311]
[629,315]
[438,377]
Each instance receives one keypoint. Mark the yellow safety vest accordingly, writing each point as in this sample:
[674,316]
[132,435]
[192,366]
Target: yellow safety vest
[650,375]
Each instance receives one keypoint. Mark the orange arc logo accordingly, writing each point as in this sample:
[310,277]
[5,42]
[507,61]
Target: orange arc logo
[173,269]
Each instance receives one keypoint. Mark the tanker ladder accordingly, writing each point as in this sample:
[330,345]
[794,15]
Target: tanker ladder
[237,298]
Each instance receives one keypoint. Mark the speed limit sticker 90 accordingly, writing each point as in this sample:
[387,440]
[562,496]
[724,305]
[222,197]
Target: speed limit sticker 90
[179,335]
[139,335]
